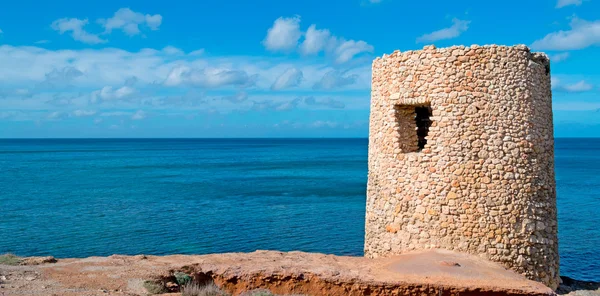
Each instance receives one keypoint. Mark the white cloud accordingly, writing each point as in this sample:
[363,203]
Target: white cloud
[107,93]
[315,40]
[75,26]
[582,34]
[335,79]
[42,42]
[563,3]
[83,113]
[138,115]
[458,27]
[559,57]
[208,77]
[580,86]
[92,69]
[290,78]
[283,35]
[1,32]
[44,81]
[346,50]
[129,21]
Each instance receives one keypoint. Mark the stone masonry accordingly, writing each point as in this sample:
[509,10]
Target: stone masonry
[461,157]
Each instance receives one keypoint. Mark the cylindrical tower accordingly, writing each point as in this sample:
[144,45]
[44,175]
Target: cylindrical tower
[461,156]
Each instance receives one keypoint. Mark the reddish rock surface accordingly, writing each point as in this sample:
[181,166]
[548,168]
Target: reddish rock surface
[433,272]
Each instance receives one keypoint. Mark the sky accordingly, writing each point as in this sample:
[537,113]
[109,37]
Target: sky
[236,68]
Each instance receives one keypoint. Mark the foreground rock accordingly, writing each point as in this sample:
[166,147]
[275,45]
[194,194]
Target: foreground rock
[421,273]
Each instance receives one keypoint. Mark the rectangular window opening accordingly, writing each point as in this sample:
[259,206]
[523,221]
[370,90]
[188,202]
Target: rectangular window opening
[412,122]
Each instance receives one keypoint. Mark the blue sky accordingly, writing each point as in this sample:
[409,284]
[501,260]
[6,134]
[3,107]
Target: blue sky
[259,68]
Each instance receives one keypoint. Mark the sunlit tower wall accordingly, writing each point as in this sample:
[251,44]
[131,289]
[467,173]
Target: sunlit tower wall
[461,157]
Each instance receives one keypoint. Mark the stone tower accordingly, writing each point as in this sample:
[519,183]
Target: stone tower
[461,156]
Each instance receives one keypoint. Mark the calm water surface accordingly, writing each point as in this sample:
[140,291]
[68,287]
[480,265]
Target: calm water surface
[78,198]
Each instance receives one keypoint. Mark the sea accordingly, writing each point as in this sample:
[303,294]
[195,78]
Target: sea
[98,197]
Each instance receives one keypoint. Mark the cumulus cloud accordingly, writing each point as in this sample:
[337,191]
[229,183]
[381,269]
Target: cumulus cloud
[290,78]
[108,93]
[83,113]
[458,27]
[581,35]
[318,40]
[209,77]
[326,102]
[315,40]
[580,86]
[151,79]
[563,3]
[335,79]
[75,26]
[93,69]
[283,35]
[272,105]
[124,19]
[346,50]
[129,21]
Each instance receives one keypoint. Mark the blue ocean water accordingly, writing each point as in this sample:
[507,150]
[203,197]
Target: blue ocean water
[97,197]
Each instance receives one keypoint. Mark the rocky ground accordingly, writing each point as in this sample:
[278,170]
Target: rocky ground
[420,273]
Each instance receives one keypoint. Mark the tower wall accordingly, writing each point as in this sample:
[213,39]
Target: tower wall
[484,181]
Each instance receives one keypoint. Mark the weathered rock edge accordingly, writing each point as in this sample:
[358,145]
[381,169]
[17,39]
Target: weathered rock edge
[433,272]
